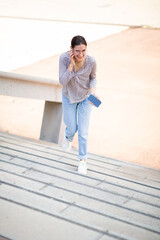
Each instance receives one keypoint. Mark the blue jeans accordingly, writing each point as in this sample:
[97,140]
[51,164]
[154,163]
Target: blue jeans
[76,117]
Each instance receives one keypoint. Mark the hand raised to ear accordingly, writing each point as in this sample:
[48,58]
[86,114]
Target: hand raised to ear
[72,58]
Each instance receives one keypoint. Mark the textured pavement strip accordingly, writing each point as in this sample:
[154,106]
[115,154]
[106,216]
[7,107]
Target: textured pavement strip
[131,205]
[49,169]
[71,185]
[102,183]
[63,190]
[93,220]
[103,208]
[89,192]
[52,160]
[31,225]
[120,165]
[56,148]
[59,154]
[52,164]
[57,175]
[137,232]
[128,167]
[51,156]
[90,222]
[90,160]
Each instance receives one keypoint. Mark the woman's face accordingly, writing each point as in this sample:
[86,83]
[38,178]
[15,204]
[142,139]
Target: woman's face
[79,52]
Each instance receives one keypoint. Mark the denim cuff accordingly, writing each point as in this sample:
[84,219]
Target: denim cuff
[83,157]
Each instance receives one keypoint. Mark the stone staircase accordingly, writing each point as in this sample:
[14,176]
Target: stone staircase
[42,197]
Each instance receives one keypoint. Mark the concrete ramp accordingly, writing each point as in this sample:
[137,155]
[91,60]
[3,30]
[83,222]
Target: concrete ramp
[42,197]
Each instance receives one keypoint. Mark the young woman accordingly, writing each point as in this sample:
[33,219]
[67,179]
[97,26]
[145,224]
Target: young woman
[77,74]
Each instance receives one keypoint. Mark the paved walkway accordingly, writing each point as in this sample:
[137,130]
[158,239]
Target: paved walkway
[122,12]
[43,197]
[32,30]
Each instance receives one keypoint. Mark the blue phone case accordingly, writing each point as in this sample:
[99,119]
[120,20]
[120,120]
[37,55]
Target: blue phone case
[94,100]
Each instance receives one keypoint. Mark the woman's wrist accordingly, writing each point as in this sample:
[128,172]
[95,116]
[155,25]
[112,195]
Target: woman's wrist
[70,67]
[93,90]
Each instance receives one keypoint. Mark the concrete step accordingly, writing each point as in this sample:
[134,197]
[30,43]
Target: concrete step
[116,200]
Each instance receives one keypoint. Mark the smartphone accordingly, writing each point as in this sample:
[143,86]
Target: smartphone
[94,100]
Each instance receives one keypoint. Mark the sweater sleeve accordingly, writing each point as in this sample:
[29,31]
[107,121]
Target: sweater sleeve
[93,80]
[64,74]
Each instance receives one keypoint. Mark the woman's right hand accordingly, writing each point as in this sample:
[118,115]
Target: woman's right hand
[72,58]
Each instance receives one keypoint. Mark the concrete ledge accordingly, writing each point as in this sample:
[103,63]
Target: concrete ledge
[19,85]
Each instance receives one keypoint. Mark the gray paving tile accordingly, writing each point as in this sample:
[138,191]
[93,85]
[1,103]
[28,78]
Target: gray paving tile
[19,222]
[12,168]
[31,199]
[4,156]
[119,212]
[151,196]
[147,209]
[20,181]
[122,229]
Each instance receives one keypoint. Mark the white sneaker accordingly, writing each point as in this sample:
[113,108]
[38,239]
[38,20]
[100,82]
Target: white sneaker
[82,167]
[67,145]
